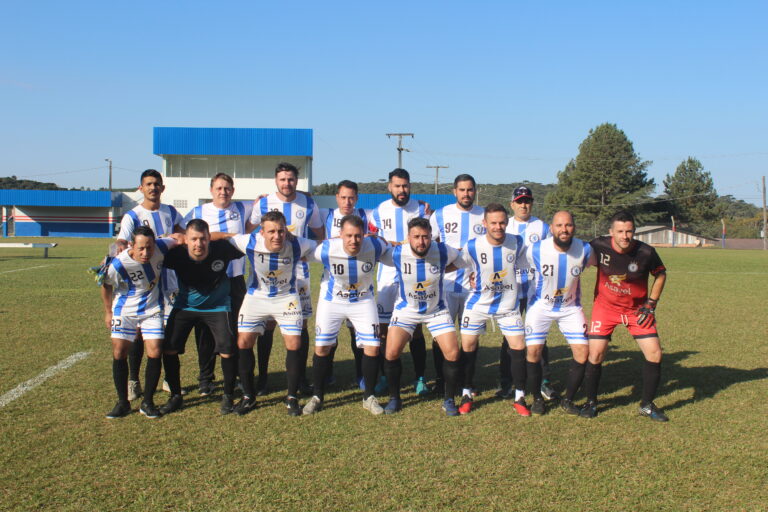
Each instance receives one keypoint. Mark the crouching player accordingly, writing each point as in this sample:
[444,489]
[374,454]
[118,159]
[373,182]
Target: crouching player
[558,263]
[346,292]
[420,266]
[131,297]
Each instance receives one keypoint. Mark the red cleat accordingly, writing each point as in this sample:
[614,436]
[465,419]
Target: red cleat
[466,405]
[521,408]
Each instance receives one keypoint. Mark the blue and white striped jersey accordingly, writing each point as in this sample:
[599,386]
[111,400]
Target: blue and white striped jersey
[348,278]
[496,289]
[332,220]
[557,282]
[456,227]
[391,221]
[273,274]
[420,280]
[531,232]
[135,284]
[224,220]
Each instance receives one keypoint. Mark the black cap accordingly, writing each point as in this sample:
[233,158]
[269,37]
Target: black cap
[522,192]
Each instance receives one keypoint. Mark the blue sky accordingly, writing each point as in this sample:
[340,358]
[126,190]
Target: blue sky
[503,90]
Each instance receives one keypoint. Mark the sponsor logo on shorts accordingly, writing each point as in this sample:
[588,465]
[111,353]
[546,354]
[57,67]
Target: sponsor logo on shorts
[367,266]
[217,265]
[478,229]
[318,331]
[575,271]
[300,214]
[528,330]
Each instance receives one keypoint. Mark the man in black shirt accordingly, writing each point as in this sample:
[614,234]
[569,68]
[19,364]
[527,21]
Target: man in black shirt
[203,299]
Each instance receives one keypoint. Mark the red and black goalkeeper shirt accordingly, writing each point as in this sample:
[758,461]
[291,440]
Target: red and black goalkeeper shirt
[622,279]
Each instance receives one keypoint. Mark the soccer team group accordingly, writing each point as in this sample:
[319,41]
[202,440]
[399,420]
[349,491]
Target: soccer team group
[462,263]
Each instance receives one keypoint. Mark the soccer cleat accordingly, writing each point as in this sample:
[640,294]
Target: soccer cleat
[548,392]
[466,405]
[150,410]
[538,407]
[521,408]
[505,391]
[651,411]
[246,405]
[382,386]
[568,407]
[167,388]
[420,387]
[449,406]
[305,388]
[394,405]
[588,410]
[174,404]
[134,390]
[264,391]
[227,405]
[372,405]
[206,387]
[314,405]
[119,410]
[292,403]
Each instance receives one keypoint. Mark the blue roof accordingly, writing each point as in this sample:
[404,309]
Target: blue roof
[233,141]
[79,198]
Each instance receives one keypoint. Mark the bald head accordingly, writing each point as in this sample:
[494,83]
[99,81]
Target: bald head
[563,228]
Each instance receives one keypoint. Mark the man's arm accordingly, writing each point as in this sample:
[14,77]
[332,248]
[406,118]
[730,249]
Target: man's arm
[106,299]
[646,314]
[658,286]
[319,232]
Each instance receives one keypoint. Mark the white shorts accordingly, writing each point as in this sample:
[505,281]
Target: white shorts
[386,295]
[127,327]
[473,322]
[570,320]
[302,286]
[438,322]
[256,310]
[455,302]
[362,315]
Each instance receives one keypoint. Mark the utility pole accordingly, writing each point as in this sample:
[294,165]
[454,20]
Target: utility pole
[437,172]
[400,147]
[110,172]
[765,218]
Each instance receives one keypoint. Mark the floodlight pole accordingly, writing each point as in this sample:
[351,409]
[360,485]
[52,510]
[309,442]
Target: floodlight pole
[400,147]
[110,172]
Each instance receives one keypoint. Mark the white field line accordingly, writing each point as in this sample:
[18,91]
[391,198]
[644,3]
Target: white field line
[20,269]
[32,383]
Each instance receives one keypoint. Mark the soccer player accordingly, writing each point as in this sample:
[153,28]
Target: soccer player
[346,293]
[391,219]
[493,259]
[420,266]
[275,258]
[131,298]
[558,262]
[456,224]
[204,299]
[222,216]
[622,297]
[164,220]
[302,216]
[531,229]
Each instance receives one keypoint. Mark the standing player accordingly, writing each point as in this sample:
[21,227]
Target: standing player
[301,216]
[493,259]
[391,219]
[275,259]
[456,224]
[622,297]
[346,293]
[222,216]
[131,298]
[531,229]
[559,262]
[420,265]
[163,219]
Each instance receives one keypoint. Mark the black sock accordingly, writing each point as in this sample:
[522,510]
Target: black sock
[517,367]
[332,356]
[135,354]
[534,379]
[393,370]
[592,380]
[263,350]
[370,368]
[303,355]
[418,347]
[151,378]
[544,363]
[469,360]
[437,358]
[504,363]
[172,368]
[120,377]
[358,353]
[321,366]
[575,377]
[451,371]
[651,378]
[293,371]
[229,370]
[245,364]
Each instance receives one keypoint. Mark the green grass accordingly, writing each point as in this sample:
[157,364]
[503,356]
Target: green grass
[57,452]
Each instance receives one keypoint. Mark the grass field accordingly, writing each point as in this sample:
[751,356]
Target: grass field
[58,452]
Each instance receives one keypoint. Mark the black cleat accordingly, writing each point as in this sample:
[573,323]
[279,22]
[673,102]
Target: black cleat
[150,410]
[505,391]
[227,405]
[568,407]
[293,406]
[119,410]
[548,392]
[206,387]
[246,405]
[172,405]
[305,388]
[538,408]
[588,410]
[651,411]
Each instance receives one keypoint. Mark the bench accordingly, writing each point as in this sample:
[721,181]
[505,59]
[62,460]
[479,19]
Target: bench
[45,247]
